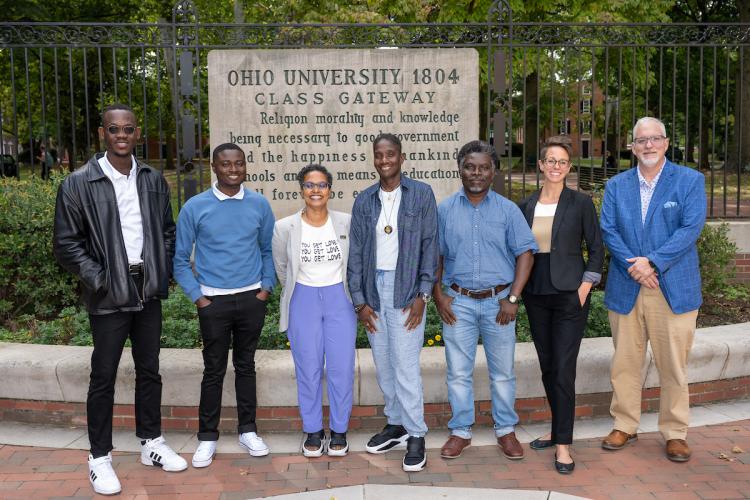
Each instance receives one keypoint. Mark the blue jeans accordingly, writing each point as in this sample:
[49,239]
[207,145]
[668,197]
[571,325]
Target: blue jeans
[474,318]
[395,351]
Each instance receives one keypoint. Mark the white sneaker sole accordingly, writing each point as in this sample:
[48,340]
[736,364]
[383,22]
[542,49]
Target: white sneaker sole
[314,453]
[393,444]
[415,468]
[105,492]
[338,453]
[199,464]
[167,468]
[101,491]
[255,453]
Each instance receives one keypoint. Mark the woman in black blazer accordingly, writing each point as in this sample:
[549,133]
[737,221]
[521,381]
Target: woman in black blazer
[557,293]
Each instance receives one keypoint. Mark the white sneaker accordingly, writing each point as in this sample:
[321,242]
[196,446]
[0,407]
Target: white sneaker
[254,444]
[204,455]
[157,452]
[102,475]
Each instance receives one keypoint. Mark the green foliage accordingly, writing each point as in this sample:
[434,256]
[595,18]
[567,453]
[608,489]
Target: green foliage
[716,251]
[31,281]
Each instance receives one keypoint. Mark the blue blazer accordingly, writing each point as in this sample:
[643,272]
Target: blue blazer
[673,224]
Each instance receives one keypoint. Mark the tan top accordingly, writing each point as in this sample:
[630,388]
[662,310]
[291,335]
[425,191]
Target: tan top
[541,227]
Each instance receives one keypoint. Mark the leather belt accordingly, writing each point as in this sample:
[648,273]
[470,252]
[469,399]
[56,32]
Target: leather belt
[135,268]
[479,294]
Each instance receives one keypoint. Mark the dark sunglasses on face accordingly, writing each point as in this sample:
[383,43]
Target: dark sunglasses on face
[127,129]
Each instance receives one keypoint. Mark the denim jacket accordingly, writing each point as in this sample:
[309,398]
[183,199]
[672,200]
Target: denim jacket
[417,244]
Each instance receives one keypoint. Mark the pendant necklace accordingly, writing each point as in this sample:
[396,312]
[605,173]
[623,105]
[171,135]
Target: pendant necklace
[388,229]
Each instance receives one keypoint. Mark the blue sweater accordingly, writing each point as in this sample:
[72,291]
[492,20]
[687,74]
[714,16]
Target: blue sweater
[232,243]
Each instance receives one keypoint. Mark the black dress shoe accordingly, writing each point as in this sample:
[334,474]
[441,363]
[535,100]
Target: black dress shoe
[541,444]
[564,468]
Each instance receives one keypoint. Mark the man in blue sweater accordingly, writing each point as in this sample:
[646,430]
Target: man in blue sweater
[231,228]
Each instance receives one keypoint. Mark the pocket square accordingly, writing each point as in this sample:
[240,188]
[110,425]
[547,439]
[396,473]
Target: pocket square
[670,204]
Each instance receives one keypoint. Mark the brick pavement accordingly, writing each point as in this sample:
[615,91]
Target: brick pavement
[639,471]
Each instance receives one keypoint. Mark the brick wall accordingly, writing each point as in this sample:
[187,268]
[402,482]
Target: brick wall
[286,418]
[742,268]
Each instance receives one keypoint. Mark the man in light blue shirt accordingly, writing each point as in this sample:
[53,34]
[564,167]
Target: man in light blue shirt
[486,256]
[231,228]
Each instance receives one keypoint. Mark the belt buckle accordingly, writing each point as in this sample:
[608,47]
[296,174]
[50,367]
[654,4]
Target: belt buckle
[135,268]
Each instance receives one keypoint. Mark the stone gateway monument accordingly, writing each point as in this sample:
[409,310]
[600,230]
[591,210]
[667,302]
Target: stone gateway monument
[288,108]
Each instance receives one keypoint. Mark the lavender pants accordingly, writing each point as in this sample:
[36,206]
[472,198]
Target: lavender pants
[322,333]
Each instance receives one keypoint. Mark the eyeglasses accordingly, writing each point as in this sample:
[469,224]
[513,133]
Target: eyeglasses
[227,163]
[114,129]
[309,186]
[656,140]
[551,162]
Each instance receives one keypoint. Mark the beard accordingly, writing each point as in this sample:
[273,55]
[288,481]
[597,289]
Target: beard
[649,163]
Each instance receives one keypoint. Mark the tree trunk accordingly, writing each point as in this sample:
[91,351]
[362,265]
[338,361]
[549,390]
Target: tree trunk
[739,145]
[704,145]
[743,6]
[531,131]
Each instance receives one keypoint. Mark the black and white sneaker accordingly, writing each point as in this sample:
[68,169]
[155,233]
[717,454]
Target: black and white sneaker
[315,444]
[338,446]
[392,436]
[415,458]
[156,452]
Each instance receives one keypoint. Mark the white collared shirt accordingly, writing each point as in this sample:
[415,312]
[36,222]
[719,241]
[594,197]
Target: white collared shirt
[128,206]
[647,191]
[209,291]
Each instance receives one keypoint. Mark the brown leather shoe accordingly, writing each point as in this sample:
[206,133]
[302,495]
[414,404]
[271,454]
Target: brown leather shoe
[678,450]
[511,447]
[454,447]
[617,440]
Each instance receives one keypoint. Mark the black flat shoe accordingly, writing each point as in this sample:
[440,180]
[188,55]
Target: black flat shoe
[564,468]
[541,444]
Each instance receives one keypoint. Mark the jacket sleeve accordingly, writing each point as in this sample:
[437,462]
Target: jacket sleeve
[618,249]
[593,236]
[183,272]
[354,265]
[278,245]
[429,252]
[70,241]
[265,238]
[691,224]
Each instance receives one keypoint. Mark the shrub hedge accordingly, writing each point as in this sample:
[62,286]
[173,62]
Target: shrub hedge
[39,300]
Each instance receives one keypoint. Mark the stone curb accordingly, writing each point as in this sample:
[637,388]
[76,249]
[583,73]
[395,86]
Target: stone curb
[61,373]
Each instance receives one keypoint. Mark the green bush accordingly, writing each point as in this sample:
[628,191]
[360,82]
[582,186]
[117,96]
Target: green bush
[716,251]
[39,300]
[180,327]
[31,281]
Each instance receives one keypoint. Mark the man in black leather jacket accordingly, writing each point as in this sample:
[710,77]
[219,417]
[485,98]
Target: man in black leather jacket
[114,230]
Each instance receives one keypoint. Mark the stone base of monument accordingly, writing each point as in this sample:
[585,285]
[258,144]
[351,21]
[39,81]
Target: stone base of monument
[48,384]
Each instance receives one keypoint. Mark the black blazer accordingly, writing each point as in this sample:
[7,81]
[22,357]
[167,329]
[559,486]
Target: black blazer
[575,222]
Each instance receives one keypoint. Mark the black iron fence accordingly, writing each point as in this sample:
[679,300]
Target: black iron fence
[590,81]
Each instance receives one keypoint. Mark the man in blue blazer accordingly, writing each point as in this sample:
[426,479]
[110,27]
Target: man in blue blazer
[651,219]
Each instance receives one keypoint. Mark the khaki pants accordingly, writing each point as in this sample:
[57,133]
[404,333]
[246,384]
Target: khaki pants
[671,336]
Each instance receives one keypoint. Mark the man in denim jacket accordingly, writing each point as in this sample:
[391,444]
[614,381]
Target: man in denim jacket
[392,262]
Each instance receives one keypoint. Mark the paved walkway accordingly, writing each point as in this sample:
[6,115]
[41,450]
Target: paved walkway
[639,471]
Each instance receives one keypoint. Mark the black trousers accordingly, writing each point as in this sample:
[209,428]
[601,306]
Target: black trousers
[557,324]
[235,320]
[110,331]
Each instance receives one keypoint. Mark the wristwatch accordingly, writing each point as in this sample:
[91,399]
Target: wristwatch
[425,297]
[359,307]
[513,299]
